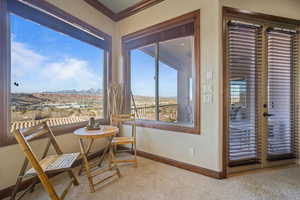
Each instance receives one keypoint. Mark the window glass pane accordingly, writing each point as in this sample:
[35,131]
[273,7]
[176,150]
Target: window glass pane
[143,81]
[238,93]
[176,81]
[167,92]
[53,76]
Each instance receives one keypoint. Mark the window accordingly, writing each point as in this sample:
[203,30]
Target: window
[162,78]
[173,79]
[143,82]
[50,79]
[57,71]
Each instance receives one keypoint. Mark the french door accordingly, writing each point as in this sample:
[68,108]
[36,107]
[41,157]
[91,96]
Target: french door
[262,93]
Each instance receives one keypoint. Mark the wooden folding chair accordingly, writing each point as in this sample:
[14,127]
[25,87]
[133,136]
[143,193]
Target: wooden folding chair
[48,164]
[118,120]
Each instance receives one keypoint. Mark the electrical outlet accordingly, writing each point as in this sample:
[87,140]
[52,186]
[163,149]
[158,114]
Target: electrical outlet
[192,151]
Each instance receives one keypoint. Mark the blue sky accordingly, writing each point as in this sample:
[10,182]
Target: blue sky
[143,73]
[46,60]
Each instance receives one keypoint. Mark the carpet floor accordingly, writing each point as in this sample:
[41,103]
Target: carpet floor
[157,181]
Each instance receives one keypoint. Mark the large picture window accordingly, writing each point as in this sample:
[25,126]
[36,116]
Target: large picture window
[54,77]
[163,76]
[56,71]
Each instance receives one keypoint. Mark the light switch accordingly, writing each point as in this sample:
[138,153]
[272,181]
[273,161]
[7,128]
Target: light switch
[209,76]
[208,99]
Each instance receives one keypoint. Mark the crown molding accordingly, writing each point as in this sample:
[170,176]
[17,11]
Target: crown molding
[142,5]
[102,8]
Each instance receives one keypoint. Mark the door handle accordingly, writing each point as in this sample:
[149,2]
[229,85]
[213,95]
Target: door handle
[267,114]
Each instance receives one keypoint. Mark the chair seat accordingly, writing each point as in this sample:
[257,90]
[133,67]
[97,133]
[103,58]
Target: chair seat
[122,140]
[56,163]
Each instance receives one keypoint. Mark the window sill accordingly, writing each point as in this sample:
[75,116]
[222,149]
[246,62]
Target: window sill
[167,126]
[57,131]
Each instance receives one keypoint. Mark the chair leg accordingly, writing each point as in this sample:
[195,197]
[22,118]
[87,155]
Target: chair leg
[19,179]
[115,149]
[34,184]
[72,176]
[112,158]
[135,156]
[29,189]
[86,164]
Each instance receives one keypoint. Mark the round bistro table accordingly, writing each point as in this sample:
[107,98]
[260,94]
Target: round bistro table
[107,133]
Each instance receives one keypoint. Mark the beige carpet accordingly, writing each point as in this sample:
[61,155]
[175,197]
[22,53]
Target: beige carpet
[156,181]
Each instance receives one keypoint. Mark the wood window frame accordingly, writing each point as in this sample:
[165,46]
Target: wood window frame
[247,16]
[72,25]
[159,32]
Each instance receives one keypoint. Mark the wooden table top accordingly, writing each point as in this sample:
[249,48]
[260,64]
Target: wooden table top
[105,131]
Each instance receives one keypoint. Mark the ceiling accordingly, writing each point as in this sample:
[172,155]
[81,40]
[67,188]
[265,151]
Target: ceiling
[174,53]
[120,9]
[119,5]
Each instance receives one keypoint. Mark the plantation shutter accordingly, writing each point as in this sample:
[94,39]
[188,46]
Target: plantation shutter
[282,93]
[244,52]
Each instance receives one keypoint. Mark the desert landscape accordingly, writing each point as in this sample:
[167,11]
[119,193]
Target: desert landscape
[37,106]
[73,105]
[145,108]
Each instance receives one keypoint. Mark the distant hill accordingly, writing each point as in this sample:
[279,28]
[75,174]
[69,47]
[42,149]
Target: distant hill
[89,91]
[63,96]
[24,99]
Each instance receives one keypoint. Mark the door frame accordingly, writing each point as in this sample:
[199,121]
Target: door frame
[248,16]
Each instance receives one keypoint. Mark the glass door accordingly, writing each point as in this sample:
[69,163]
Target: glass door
[262,95]
[281,94]
[244,75]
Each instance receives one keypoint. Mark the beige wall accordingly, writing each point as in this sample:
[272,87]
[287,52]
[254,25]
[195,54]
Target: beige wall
[283,8]
[177,145]
[11,156]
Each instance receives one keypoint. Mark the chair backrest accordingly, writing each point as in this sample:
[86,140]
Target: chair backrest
[119,119]
[23,137]
[37,131]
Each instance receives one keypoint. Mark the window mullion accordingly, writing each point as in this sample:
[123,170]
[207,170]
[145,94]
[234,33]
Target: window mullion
[4,72]
[105,83]
[157,81]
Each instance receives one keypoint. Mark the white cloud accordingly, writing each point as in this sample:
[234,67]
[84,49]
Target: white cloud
[37,72]
[23,59]
[71,70]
